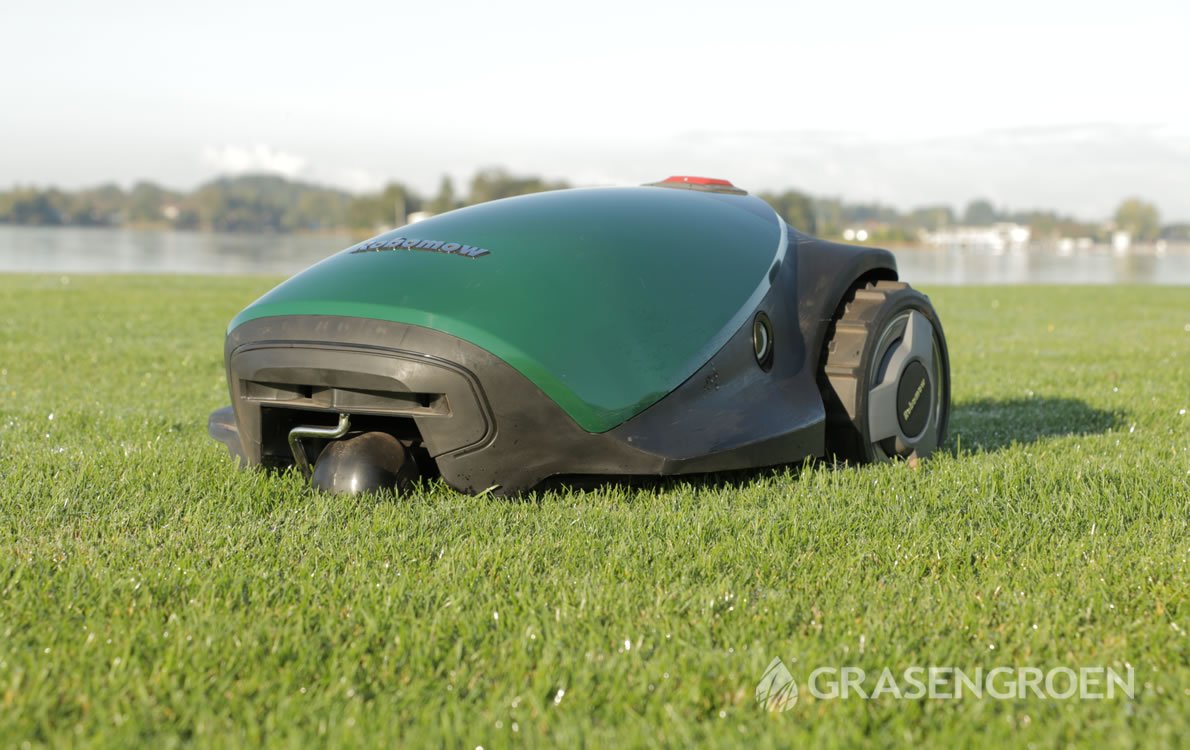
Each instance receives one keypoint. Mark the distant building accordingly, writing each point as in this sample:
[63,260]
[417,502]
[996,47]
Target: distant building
[1121,242]
[1068,245]
[995,239]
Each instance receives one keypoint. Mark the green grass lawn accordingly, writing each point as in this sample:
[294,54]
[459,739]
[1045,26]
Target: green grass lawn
[151,593]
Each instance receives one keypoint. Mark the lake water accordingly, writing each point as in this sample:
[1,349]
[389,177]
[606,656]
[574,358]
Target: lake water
[73,250]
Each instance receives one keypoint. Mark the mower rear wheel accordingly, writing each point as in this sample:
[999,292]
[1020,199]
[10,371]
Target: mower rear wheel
[886,378]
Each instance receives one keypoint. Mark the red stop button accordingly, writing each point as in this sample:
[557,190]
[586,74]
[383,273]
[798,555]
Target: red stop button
[691,180]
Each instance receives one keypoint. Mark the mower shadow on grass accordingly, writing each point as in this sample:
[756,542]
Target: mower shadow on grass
[990,424]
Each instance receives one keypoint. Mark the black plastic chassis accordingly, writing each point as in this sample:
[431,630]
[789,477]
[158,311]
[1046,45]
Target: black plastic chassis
[487,427]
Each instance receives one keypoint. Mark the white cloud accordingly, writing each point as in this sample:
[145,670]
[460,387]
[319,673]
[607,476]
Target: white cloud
[257,158]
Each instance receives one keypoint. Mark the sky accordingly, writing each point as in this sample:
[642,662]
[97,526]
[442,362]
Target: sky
[1065,105]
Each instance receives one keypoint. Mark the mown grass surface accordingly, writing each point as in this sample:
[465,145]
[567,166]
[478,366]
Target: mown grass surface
[150,593]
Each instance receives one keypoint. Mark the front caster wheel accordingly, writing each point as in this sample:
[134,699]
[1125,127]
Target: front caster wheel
[886,379]
[364,463]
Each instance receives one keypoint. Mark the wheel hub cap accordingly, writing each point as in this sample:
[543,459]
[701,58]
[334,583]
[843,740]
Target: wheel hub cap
[903,401]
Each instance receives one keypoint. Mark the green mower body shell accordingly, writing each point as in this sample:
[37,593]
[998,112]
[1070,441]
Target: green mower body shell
[605,299]
[666,329]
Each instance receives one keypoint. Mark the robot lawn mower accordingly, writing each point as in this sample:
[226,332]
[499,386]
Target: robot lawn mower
[673,328]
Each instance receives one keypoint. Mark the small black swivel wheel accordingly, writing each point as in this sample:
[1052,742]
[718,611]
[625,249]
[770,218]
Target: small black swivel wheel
[367,462]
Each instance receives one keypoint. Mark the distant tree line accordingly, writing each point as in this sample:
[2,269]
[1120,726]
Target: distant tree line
[829,217]
[269,203]
[251,203]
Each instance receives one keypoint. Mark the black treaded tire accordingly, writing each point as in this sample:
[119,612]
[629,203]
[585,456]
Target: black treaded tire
[857,336]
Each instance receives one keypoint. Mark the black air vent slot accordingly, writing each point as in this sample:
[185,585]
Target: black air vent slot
[347,399]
